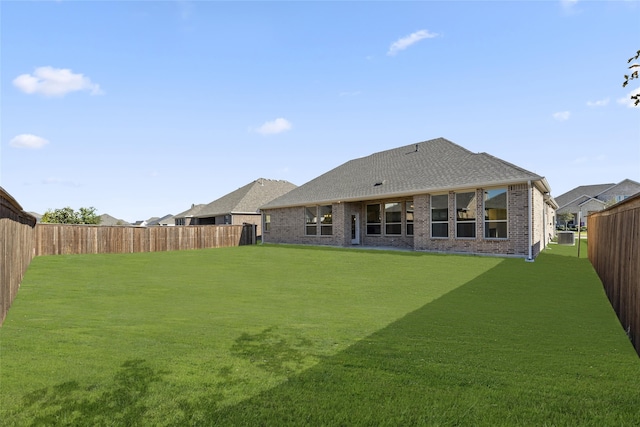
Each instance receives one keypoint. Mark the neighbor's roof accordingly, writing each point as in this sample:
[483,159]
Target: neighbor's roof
[247,199]
[429,166]
[584,190]
[192,211]
[106,219]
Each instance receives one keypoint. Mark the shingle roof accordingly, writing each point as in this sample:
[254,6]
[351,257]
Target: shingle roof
[192,211]
[434,165]
[584,190]
[167,219]
[106,219]
[247,199]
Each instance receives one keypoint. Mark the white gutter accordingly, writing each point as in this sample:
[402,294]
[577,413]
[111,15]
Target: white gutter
[530,214]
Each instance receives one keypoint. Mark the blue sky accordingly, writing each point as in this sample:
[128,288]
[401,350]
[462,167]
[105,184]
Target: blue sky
[141,108]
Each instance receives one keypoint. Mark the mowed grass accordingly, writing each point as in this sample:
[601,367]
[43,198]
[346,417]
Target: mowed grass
[285,335]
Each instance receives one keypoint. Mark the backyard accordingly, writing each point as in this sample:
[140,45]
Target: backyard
[288,335]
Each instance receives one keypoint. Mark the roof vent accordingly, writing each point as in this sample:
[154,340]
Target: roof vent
[379,183]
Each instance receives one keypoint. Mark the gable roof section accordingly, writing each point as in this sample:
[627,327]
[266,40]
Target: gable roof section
[626,187]
[192,211]
[106,219]
[584,190]
[167,219]
[247,199]
[429,166]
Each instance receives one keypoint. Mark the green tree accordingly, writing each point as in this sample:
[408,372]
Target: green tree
[67,215]
[88,216]
[633,75]
[565,217]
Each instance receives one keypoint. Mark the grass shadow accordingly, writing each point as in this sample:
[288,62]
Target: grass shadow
[511,347]
[121,404]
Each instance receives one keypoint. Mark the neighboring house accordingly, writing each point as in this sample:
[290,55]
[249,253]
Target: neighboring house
[240,206]
[431,196]
[167,220]
[106,219]
[187,217]
[37,216]
[583,200]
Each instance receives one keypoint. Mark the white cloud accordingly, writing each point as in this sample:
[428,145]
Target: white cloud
[627,99]
[276,126]
[49,81]
[568,5]
[27,140]
[407,41]
[562,116]
[598,103]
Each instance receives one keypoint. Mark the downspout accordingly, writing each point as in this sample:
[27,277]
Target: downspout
[530,214]
[544,223]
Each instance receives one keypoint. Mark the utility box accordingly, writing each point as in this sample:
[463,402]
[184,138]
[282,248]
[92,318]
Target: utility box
[566,238]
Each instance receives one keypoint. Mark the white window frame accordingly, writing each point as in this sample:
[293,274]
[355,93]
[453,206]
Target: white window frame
[445,221]
[488,222]
[473,221]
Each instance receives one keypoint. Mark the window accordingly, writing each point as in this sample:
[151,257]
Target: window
[466,215]
[267,223]
[495,214]
[374,219]
[326,224]
[440,216]
[393,218]
[311,221]
[409,215]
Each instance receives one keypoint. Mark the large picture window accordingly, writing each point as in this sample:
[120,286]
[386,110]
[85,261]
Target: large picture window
[409,216]
[440,216]
[495,213]
[466,215]
[374,219]
[326,221]
[311,220]
[393,218]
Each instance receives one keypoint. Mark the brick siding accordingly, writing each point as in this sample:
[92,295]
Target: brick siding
[288,226]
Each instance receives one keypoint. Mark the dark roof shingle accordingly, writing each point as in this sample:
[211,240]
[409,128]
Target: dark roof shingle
[247,199]
[434,165]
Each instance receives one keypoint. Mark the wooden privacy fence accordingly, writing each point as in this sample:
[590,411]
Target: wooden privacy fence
[16,248]
[614,252]
[59,239]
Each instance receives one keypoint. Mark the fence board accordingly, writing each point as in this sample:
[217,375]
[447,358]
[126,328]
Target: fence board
[61,239]
[614,252]
[16,249]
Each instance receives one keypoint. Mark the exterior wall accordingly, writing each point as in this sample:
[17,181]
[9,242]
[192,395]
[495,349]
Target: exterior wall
[587,208]
[392,241]
[517,225]
[255,219]
[539,241]
[288,226]
[583,209]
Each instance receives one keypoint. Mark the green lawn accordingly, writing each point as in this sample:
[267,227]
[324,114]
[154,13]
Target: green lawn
[280,335]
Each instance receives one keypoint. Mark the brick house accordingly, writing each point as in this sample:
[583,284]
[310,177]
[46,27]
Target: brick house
[241,206]
[431,196]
